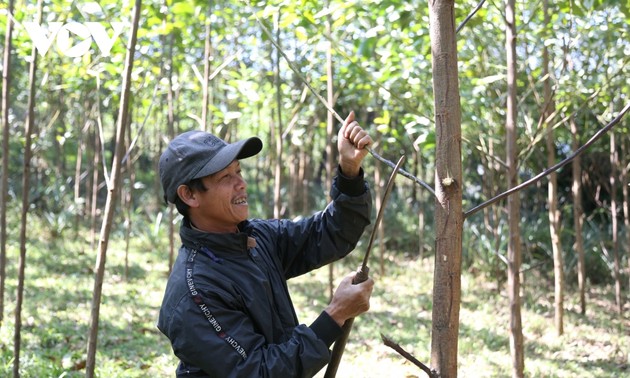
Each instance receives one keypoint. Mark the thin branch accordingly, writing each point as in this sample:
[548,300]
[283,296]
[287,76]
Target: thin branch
[401,171]
[470,16]
[390,343]
[144,122]
[332,111]
[557,166]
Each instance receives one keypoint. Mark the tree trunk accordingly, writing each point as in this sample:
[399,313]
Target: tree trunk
[205,86]
[128,197]
[513,201]
[304,176]
[170,131]
[554,213]
[4,175]
[625,188]
[79,203]
[578,216]
[378,202]
[26,174]
[98,159]
[112,195]
[448,188]
[614,163]
[330,133]
[277,188]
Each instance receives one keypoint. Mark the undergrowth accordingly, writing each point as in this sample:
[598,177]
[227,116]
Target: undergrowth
[60,279]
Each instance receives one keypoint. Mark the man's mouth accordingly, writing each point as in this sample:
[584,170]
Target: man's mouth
[241,201]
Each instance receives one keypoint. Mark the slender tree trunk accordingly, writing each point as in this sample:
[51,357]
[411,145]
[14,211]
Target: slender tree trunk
[513,201]
[97,158]
[170,131]
[4,182]
[378,202]
[206,69]
[448,188]
[554,213]
[625,188]
[330,132]
[494,224]
[78,202]
[304,178]
[277,188]
[112,195]
[294,179]
[578,216]
[614,163]
[128,198]
[26,174]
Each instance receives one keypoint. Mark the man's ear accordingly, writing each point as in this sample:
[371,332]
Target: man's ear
[187,195]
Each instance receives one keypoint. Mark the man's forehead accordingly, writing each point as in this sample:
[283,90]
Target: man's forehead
[235,164]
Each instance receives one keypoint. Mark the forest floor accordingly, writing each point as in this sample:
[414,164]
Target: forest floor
[60,280]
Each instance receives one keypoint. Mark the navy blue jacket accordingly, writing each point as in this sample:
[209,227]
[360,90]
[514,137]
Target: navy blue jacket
[227,309]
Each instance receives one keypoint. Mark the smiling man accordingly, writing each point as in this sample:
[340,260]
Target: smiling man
[226,309]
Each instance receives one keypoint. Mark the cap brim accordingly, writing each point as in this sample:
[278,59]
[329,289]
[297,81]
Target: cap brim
[238,150]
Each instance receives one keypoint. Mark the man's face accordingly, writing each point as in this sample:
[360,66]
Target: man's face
[224,205]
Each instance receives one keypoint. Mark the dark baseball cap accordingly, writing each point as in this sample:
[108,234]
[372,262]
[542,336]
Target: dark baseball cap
[196,154]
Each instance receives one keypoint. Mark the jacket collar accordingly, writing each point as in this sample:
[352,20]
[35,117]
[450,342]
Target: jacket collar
[221,244]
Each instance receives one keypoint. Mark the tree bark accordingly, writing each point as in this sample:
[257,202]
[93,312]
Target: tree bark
[205,86]
[578,216]
[378,202]
[277,188]
[128,197]
[614,163]
[170,131]
[4,175]
[29,129]
[513,201]
[448,188]
[79,203]
[554,213]
[330,132]
[625,188]
[112,195]
[97,160]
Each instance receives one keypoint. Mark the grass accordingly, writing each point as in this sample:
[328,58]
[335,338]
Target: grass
[60,282]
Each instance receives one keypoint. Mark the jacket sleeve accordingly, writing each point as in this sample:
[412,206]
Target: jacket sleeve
[208,345]
[330,234]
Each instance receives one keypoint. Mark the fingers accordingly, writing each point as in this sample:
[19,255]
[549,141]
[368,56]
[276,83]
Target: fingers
[354,133]
[351,143]
[350,300]
[350,118]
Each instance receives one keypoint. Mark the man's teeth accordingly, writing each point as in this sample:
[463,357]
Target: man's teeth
[241,201]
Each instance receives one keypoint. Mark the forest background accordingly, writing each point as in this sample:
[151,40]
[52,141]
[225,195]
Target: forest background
[210,65]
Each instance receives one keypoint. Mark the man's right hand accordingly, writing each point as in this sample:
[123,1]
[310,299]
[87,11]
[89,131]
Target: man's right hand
[350,300]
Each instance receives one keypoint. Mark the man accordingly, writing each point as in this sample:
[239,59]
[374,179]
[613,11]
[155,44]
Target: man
[226,308]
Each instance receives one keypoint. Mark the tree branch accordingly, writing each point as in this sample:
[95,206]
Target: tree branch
[470,16]
[557,166]
[390,343]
